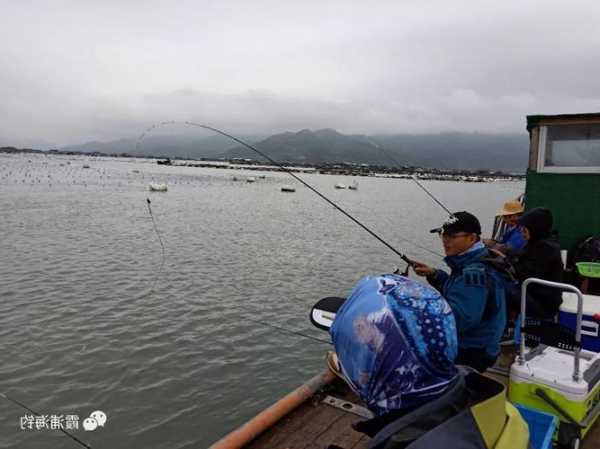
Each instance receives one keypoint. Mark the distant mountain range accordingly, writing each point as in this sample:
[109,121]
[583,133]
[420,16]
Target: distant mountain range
[468,151]
[163,146]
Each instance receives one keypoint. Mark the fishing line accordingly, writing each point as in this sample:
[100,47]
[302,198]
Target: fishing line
[162,262]
[414,178]
[281,329]
[289,172]
[289,331]
[73,437]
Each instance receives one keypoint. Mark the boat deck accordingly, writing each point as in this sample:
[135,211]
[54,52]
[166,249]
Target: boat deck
[316,425]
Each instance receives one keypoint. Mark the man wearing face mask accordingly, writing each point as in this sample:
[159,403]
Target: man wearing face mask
[474,290]
[540,259]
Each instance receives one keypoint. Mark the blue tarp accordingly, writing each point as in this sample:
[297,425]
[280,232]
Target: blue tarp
[395,339]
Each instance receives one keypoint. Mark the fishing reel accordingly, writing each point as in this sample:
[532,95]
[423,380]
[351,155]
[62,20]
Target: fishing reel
[409,264]
[397,270]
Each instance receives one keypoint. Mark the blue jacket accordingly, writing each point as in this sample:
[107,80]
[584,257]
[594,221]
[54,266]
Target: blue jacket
[513,238]
[475,292]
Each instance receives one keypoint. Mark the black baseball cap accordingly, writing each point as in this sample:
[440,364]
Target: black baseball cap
[460,222]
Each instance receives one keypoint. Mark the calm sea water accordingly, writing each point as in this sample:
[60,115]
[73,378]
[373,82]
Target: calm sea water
[88,321]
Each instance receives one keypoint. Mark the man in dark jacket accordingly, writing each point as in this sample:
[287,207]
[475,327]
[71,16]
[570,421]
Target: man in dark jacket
[540,259]
[474,290]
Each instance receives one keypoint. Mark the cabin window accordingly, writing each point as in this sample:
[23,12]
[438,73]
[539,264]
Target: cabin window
[570,148]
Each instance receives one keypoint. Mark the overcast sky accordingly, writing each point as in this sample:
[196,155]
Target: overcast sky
[74,71]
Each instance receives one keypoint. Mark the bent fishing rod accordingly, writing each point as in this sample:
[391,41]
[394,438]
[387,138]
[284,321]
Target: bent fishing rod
[297,178]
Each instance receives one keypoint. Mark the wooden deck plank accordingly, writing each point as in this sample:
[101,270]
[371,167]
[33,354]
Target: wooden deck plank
[312,421]
[363,443]
[341,434]
[286,427]
[294,434]
[314,428]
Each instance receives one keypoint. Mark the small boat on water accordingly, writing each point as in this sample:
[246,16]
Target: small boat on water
[86,166]
[157,187]
[339,185]
[288,188]
[251,179]
[354,185]
[321,412]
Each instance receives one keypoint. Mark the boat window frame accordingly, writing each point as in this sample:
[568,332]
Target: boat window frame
[541,156]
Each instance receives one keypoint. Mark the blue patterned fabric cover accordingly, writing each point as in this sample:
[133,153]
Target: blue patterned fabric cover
[395,339]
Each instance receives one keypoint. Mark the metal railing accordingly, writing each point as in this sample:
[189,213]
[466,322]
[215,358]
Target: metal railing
[563,287]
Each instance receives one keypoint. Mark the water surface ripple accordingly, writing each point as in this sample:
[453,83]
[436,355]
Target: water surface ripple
[180,365]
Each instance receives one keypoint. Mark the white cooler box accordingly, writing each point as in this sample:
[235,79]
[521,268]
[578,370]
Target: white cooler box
[590,327]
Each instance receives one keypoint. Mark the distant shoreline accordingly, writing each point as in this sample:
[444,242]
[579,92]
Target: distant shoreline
[329,168]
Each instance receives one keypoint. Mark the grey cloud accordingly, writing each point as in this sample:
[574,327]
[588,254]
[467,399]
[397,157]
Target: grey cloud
[75,71]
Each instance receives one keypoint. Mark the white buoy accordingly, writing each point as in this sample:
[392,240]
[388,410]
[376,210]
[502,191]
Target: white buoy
[251,179]
[157,187]
[339,185]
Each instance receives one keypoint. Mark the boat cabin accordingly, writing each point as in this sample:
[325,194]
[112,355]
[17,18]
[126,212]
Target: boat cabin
[564,172]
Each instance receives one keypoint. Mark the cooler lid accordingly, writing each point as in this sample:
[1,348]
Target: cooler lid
[591,303]
[554,368]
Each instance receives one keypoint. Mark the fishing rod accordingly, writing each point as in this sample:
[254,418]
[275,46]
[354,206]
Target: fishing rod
[20,404]
[289,172]
[414,178]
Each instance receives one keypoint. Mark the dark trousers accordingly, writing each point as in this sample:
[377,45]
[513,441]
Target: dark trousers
[476,358]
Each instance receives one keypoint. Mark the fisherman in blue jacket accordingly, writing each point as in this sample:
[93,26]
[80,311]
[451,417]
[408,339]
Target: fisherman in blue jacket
[474,290]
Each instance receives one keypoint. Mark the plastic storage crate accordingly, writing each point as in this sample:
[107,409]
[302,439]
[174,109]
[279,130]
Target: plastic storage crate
[541,426]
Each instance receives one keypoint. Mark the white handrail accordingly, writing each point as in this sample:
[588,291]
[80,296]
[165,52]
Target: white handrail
[561,286]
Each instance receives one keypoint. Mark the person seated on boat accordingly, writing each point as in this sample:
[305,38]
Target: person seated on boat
[540,259]
[395,340]
[512,239]
[474,289]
